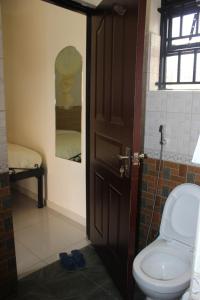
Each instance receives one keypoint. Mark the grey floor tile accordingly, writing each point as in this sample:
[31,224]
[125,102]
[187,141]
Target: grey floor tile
[53,282]
[32,290]
[138,295]
[96,273]
[100,294]
[72,287]
[111,289]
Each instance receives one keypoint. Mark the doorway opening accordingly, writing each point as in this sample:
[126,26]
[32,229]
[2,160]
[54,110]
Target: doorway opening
[115,131]
[34,33]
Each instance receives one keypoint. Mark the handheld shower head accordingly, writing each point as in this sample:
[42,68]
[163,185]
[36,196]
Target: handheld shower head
[162,135]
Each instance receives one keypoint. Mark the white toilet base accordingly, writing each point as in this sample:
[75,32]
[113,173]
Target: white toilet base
[147,298]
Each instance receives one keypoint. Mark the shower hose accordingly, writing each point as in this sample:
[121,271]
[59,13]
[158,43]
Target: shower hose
[162,142]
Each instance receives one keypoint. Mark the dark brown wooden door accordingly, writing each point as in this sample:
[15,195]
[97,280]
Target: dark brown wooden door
[117,35]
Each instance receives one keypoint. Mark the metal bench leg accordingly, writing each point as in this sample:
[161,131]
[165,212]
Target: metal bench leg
[40,191]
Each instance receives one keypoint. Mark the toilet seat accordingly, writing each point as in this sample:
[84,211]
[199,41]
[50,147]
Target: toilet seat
[169,285]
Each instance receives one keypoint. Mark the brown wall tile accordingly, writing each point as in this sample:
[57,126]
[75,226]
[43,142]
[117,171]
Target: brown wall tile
[182,170]
[8,274]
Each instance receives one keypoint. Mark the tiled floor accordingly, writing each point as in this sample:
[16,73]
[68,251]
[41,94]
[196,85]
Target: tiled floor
[40,234]
[56,283]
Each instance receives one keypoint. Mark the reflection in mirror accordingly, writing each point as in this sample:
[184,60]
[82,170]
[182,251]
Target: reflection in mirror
[68,82]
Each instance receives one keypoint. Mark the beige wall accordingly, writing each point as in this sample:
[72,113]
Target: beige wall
[34,32]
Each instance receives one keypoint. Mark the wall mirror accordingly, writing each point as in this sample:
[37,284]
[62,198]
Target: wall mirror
[68,90]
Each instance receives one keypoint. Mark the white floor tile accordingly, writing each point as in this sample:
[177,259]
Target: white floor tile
[41,234]
[62,217]
[25,258]
[26,218]
[76,246]
[20,201]
[49,236]
[31,269]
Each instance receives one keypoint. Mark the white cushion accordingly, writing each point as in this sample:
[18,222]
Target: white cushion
[22,157]
[68,143]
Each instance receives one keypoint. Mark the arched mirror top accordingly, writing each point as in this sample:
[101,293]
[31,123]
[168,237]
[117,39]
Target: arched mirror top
[68,89]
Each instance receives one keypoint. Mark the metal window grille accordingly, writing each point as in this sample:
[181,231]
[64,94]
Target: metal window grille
[180,44]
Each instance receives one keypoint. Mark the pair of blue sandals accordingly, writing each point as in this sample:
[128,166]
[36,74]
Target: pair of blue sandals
[73,261]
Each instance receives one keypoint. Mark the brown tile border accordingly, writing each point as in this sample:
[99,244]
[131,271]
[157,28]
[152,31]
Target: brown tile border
[8,274]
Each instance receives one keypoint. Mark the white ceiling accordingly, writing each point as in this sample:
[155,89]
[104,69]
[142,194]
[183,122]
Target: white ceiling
[90,2]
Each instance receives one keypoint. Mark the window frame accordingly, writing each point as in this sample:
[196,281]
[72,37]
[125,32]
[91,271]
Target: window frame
[168,12]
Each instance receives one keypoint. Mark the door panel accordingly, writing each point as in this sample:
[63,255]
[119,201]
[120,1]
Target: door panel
[114,201]
[116,111]
[98,203]
[100,100]
[114,52]
[107,151]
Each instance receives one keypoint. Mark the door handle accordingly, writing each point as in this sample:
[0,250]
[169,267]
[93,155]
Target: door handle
[137,157]
[125,166]
[142,156]
[128,160]
[123,157]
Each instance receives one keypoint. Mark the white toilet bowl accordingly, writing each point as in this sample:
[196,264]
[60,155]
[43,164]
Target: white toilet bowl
[160,271]
[163,269]
[186,296]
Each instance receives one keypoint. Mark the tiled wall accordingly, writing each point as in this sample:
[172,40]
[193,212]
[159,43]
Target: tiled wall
[172,174]
[179,111]
[8,276]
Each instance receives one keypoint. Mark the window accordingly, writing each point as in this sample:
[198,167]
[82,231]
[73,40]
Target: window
[196,156]
[180,45]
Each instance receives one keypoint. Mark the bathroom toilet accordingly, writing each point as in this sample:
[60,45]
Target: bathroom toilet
[186,296]
[163,269]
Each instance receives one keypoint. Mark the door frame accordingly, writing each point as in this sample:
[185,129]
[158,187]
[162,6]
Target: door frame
[138,137]
[71,5]
[138,104]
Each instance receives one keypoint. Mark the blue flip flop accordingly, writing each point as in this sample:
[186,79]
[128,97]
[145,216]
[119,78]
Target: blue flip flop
[78,258]
[67,261]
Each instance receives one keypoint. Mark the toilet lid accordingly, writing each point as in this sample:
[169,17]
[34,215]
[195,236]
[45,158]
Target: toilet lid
[179,220]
